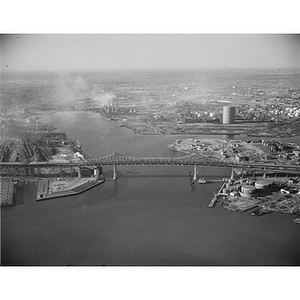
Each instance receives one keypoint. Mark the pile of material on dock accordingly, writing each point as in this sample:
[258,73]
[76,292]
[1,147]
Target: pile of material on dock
[241,204]
[286,204]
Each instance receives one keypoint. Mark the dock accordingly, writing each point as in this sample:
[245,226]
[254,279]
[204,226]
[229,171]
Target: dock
[214,180]
[216,196]
[7,192]
[43,188]
[45,194]
[241,204]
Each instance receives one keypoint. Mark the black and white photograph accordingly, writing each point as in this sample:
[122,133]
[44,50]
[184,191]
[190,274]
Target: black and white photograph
[150,149]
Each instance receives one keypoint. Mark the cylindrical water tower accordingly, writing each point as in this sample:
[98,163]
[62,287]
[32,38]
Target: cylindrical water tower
[228,114]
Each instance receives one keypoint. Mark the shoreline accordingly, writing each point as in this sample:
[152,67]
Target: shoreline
[146,132]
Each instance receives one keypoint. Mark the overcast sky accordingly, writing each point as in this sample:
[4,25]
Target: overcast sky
[103,52]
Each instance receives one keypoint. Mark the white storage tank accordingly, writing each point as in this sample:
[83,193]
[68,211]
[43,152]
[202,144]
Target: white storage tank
[246,188]
[248,191]
[262,184]
[228,114]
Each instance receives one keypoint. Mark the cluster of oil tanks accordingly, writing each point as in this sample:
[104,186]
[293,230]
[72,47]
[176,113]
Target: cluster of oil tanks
[247,188]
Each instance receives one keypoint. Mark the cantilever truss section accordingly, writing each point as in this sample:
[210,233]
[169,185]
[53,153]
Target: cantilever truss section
[119,159]
[189,160]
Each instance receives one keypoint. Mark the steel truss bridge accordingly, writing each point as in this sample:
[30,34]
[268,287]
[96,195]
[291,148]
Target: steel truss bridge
[189,160]
[116,159]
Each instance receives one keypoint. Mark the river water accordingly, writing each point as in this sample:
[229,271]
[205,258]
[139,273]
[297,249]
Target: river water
[149,216]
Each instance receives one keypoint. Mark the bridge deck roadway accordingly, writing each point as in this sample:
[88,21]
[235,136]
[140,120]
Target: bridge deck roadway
[180,161]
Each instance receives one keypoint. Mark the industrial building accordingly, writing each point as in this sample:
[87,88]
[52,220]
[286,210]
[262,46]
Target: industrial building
[228,114]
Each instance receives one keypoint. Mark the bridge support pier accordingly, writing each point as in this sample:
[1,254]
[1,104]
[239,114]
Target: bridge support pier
[115,172]
[232,174]
[97,172]
[79,172]
[195,172]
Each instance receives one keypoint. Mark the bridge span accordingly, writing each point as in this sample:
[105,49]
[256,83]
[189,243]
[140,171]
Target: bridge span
[116,159]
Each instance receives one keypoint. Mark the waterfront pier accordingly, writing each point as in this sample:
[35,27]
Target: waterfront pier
[216,196]
[7,192]
[195,172]
[49,189]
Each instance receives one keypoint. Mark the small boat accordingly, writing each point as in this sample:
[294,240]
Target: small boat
[296,221]
[201,181]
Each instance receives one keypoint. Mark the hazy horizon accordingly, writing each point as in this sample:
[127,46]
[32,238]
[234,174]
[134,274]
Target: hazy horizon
[130,52]
[7,71]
